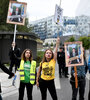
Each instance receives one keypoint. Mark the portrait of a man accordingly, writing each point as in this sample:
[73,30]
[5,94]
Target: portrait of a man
[73,53]
[16,13]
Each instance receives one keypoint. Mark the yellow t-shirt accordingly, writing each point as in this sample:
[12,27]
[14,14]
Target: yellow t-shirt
[48,70]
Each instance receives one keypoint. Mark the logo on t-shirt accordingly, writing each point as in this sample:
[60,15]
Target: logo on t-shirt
[48,70]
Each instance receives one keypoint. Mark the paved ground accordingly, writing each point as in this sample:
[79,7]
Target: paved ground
[63,87]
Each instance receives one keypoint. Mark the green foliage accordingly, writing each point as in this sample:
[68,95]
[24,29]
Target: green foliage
[39,57]
[24,28]
[71,39]
[46,44]
[3,11]
[86,41]
[51,44]
[3,16]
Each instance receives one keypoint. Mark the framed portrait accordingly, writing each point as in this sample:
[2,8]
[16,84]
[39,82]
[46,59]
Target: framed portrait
[73,54]
[16,13]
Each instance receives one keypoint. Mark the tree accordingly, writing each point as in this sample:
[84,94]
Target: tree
[3,16]
[71,39]
[51,44]
[86,41]
[46,44]
[24,28]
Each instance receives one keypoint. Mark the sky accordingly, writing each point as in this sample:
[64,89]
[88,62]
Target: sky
[38,9]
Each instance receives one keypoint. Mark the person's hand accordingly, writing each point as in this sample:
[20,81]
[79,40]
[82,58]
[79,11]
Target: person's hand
[37,83]
[74,74]
[13,44]
[58,41]
[15,56]
[69,62]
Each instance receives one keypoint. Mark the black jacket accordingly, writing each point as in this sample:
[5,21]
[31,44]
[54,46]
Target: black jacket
[15,55]
[74,61]
[61,58]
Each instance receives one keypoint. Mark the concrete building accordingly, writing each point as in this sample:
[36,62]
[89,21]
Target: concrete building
[62,39]
[50,41]
[83,26]
[83,17]
[69,25]
[45,28]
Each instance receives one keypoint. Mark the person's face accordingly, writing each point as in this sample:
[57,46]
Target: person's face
[73,50]
[27,54]
[60,50]
[13,44]
[48,54]
[16,9]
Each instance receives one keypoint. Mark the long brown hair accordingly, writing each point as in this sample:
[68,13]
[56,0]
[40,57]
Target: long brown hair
[23,55]
[84,53]
[44,58]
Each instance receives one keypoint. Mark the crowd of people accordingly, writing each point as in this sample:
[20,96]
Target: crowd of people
[46,73]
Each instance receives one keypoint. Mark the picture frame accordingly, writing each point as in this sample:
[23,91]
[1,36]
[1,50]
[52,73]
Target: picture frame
[16,12]
[73,54]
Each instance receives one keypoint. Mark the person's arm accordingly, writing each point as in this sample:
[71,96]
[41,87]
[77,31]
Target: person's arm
[56,48]
[17,55]
[38,75]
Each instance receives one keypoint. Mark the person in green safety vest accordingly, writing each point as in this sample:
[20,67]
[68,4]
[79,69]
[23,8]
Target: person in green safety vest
[27,74]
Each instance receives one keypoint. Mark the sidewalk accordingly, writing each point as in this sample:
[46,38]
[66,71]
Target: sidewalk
[6,85]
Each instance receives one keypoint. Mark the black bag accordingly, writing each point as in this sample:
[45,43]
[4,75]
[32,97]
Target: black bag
[0,88]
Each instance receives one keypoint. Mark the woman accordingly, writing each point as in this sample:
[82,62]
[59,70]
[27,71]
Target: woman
[81,74]
[47,67]
[27,74]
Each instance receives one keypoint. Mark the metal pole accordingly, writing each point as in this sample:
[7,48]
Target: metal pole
[14,34]
[60,3]
[58,24]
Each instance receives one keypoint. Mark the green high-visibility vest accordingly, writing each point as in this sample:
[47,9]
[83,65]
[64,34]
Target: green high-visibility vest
[32,71]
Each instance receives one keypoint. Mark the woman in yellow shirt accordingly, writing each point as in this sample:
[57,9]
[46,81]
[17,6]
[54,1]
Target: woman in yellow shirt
[47,67]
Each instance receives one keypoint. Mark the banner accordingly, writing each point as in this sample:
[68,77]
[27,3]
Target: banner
[58,14]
